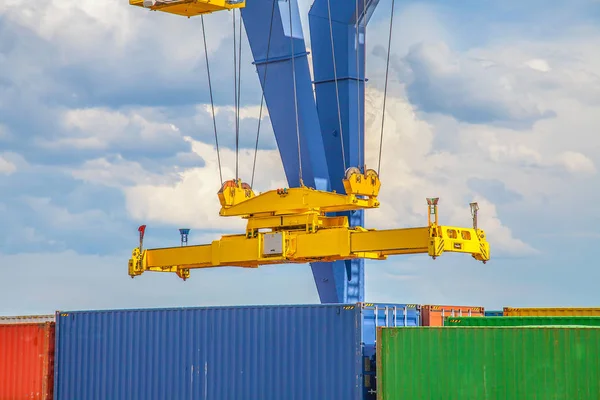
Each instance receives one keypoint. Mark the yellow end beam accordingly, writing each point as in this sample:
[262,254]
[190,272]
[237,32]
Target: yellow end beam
[188,8]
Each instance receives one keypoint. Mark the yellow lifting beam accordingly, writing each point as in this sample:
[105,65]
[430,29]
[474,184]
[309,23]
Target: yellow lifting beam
[299,231]
[189,8]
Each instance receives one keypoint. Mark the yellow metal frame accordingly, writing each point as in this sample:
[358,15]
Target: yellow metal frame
[299,231]
[188,8]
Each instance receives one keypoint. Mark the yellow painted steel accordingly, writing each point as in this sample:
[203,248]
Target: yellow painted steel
[188,8]
[551,311]
[238,199]
[300,232]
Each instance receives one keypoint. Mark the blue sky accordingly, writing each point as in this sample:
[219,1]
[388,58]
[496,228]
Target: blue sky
[104,126]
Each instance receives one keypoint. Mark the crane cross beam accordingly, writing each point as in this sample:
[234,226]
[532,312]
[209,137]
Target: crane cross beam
[299,246]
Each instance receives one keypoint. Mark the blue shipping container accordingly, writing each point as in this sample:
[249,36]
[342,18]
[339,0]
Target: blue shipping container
[494,313]
[282,352]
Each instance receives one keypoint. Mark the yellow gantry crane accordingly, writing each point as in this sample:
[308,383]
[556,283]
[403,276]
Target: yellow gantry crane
[292,225]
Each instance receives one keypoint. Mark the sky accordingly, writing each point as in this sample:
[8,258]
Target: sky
[105,125]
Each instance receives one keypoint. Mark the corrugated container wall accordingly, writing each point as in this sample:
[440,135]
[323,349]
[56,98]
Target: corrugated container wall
[551,311]
[26,319]
[294,352]
[26,360]
[435,315]
[549,362]
[521,321]
[494,313]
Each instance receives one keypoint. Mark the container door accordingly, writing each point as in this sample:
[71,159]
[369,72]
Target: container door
[372,316]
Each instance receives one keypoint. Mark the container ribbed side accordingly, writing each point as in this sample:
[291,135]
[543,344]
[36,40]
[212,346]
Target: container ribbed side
[488,363]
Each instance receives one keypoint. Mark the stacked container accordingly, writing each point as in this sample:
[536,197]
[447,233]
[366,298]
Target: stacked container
[434,315]
[548,362]
[551,311]
[494,313]
[251,352]
[522,321]
[26,357]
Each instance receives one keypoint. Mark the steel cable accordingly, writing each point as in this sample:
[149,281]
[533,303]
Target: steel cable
[337,94]
[239,88]
[358,84]
[262,98]
[212,104]
[237,144]
[387,65]
[295,94]
[362,138]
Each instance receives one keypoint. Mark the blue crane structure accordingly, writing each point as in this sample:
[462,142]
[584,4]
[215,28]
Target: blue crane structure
[321,148]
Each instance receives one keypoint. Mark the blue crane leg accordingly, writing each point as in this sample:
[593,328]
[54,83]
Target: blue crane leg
[350,86]
[279,97]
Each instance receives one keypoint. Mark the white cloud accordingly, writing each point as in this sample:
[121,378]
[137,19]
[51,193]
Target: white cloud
[4,131]
[550,71]
[64,22]
[440,80]
[538,64]
[100,128]
[577,162]
[452,279]
[119,172]
[181,194]
[193,200]
[412,170]
[58,216]
[6,167]
[537,161]
[101,282]
[416,22]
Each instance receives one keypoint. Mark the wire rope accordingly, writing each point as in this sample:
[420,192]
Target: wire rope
[212,104]
[235,103]
[358,84]
[362,138]
[262,98]
[387,65]
[239,87]
[337,94]
[295,93]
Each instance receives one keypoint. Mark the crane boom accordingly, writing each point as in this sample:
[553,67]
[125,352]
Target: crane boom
[301,232]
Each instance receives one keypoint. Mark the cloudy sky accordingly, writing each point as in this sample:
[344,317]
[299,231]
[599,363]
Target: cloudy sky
[104,126]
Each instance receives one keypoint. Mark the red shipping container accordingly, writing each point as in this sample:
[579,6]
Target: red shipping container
[435,315]
[26,360]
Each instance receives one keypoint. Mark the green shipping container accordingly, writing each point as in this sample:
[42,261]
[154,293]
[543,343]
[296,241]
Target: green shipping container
[521,321]
[473,363]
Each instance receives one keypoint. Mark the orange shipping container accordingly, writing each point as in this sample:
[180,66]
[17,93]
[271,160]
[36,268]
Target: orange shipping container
[435,315]
[26,360]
